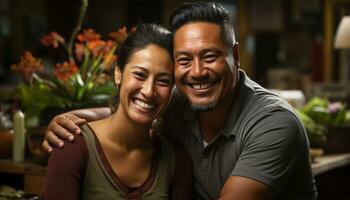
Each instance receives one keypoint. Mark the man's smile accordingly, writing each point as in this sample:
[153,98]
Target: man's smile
[202,86]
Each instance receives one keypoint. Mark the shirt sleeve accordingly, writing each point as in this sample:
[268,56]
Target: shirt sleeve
[272,149]
[65,171]
[182,180]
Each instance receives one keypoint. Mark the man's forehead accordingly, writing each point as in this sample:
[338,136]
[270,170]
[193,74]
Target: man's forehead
[195,28]
[198,35]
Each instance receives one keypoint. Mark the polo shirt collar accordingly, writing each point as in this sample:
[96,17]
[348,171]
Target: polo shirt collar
[243,91]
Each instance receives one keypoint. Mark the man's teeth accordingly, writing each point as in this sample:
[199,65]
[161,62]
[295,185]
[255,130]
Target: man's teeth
[143,104]
[201,86]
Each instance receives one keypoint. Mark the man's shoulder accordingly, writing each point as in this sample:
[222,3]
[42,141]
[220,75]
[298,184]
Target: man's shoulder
[276,123]
[255,98]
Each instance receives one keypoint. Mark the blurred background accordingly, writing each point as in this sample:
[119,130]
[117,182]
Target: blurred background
[285,44]
[297,48]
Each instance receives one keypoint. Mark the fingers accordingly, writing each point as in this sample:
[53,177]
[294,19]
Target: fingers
[61,127]
[69,122]
[46,146]
[51,139]
[76,120]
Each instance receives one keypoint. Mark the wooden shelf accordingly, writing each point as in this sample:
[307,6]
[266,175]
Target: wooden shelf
[33,174]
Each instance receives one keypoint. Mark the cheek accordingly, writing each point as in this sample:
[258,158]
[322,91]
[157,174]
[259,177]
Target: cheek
[179,74]
[165,94]
[128,86]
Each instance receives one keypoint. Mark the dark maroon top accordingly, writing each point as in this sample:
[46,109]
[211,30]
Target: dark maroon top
[66,168]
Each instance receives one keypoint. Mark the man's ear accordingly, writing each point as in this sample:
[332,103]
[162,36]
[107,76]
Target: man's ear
[117,75]
[235,52]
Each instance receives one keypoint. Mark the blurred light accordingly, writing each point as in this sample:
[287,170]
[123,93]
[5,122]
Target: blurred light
[342,37]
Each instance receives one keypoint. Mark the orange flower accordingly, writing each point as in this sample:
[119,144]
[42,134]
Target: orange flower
[79,51]
[52,39]
[65,71]
[27,66]
[108,47]
[88,35]
[119,35]
[96,47]
[100,47]
[109,60]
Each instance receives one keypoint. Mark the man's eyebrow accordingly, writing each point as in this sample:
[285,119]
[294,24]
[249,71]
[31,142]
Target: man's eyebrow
[202,51]
[182,53]
[215,50]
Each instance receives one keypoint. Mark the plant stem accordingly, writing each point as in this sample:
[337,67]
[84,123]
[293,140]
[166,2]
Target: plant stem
[83,9]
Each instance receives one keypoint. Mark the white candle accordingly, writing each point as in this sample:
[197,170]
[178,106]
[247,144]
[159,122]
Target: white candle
[18,149]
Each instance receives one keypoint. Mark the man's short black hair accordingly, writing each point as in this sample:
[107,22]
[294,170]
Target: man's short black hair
[201,11]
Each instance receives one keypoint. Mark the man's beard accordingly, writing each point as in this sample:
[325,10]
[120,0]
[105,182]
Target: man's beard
[203,108]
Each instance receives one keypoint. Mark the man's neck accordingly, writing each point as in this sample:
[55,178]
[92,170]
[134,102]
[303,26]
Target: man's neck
[213,121]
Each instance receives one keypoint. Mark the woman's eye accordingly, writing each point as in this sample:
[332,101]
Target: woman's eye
[164,82]
[140,75]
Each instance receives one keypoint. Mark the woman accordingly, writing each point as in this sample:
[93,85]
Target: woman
[119,157]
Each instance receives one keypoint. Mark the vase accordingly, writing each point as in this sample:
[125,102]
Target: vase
[338,140]
[34,139]
[6,138]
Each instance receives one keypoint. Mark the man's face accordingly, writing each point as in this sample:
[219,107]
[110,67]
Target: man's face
[204,66]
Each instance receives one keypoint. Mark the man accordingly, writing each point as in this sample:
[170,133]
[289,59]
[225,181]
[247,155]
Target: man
[245,142]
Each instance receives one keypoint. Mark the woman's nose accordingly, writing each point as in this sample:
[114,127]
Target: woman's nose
[148,88]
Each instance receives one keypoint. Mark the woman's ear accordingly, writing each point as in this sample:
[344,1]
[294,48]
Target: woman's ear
[117,75]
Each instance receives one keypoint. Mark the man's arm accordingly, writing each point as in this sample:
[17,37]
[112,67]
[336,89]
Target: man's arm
[63,126]
[237,187]
[268,159]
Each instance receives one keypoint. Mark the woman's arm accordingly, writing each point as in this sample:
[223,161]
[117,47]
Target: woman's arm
[65,171]
[182,180]
[63,126]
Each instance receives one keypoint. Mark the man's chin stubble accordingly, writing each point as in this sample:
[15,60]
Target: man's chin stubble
[203,108]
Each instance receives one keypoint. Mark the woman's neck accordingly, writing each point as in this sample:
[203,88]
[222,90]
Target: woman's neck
[120,130]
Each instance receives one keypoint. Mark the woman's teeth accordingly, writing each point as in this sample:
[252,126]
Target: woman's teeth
[144,105]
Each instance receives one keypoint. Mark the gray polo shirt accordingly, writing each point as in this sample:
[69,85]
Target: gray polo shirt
[262,140]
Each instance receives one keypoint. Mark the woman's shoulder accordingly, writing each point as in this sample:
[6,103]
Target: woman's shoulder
[75,150]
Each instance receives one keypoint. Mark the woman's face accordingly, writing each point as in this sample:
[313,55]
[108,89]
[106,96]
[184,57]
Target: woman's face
[146,84]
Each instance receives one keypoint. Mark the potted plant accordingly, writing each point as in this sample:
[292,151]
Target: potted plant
[327,124]
[80,80]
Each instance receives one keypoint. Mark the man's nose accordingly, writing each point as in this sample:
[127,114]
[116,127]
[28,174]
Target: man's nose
[197,71]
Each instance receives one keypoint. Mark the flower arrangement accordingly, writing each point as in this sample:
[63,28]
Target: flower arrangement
[79,81]
[319,114]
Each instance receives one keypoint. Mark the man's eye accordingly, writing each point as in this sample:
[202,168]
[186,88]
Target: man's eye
[210,58]
[183,61]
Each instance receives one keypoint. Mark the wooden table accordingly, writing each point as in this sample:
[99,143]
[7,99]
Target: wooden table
[329,162]
[332,175]
[33,174]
